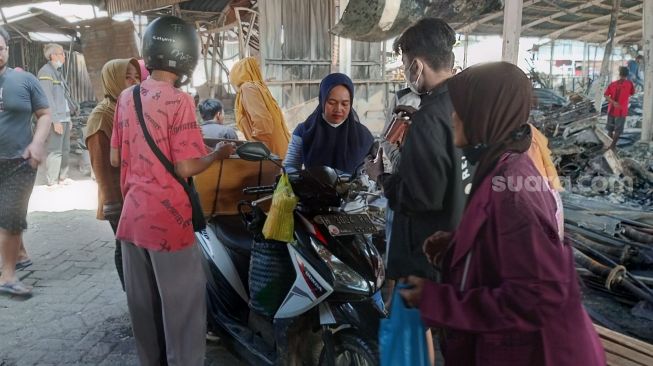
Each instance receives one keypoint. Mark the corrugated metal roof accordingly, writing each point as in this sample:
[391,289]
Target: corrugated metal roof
[213,6]
[36,20]
[9,3]
[119,6]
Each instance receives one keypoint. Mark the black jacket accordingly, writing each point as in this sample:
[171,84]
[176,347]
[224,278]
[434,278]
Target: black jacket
[427,192]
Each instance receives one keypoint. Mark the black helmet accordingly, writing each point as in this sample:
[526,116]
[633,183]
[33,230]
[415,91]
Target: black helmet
[171,44]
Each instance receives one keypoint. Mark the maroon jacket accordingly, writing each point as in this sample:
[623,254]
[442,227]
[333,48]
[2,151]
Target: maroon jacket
[520,302]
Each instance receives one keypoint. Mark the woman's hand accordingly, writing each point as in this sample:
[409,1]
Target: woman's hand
[435,245]
[413,294]
[374,167]
[223,150]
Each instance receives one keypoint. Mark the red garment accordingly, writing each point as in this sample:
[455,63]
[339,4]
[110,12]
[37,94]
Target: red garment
[156,211]
[619,90]
[520,303]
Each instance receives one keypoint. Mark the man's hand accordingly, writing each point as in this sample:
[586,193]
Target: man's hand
[406,110]
[58,128]
[435,245]
[223,150]
[413,294]
[374,167]
[35,153]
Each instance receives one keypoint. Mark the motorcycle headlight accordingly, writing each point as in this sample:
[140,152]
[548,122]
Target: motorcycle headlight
[346,279]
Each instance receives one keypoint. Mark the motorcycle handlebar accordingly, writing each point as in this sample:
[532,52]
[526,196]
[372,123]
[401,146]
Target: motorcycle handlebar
[259,190]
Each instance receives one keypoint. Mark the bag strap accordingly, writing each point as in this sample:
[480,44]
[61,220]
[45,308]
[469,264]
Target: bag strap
[155,149]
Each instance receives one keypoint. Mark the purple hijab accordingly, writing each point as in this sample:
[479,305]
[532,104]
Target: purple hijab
[343,148]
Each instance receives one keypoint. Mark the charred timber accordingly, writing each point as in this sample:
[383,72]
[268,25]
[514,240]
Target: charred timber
[380,20]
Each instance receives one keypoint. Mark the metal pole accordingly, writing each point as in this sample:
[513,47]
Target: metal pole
[600,83]
[512,15]
[647,40]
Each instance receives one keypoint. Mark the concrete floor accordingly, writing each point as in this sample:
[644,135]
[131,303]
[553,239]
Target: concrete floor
[78,312]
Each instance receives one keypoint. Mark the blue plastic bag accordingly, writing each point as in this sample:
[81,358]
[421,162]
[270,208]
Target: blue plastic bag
[402,336]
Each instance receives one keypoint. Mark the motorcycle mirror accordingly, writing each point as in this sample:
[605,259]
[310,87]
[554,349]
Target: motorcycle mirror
[253,151]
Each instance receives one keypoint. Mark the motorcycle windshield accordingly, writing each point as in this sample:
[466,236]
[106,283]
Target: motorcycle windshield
[316,187]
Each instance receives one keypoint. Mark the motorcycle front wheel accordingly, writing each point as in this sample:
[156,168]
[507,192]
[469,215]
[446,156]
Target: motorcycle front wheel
[352,350]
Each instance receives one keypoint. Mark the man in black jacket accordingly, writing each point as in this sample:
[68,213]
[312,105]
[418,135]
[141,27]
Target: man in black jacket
[427,191]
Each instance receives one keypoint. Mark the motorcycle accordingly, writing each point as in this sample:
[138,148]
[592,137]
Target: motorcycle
[329,306]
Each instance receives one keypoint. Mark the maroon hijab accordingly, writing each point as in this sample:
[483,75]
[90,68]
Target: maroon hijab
[493,100]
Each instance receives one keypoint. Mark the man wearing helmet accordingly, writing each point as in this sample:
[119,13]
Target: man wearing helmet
[164,282]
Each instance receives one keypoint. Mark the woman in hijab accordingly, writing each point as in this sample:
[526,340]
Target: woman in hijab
[117,75]
[258,115]
[509,294]
[333,135]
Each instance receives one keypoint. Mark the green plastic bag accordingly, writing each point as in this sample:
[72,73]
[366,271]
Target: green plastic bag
[279,225]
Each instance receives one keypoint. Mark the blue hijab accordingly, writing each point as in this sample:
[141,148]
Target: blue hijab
[343,148]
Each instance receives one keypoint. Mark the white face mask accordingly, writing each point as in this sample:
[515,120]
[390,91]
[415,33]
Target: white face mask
[334,125]
[414,86]
[57,64]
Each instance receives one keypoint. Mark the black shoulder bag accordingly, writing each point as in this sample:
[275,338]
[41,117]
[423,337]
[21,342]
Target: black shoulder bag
[199,223]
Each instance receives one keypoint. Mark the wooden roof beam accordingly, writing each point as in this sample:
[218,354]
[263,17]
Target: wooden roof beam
[559,14]
[471,26]
[559,32]
[627,35]
[619,27]
[622,11]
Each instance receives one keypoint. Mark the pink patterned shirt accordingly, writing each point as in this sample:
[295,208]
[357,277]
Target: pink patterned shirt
[156,212]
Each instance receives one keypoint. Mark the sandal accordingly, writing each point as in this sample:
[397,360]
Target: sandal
[16,288]
[23,264]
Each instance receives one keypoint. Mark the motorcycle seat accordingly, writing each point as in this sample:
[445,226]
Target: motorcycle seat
[230,230]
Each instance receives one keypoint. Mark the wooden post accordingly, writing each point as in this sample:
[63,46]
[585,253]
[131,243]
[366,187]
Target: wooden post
[600,83]
[241,40]
[214,63]
[512,13]
[647,40]
[586,64]
[205,49]
[553,46]
[22,55]
[344,45]
[465,50]
[386,89]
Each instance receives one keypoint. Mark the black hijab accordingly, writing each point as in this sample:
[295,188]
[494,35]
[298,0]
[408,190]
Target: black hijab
[493,100]
[344,147]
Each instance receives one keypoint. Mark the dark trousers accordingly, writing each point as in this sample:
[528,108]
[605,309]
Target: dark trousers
[58,154]
[117,256]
